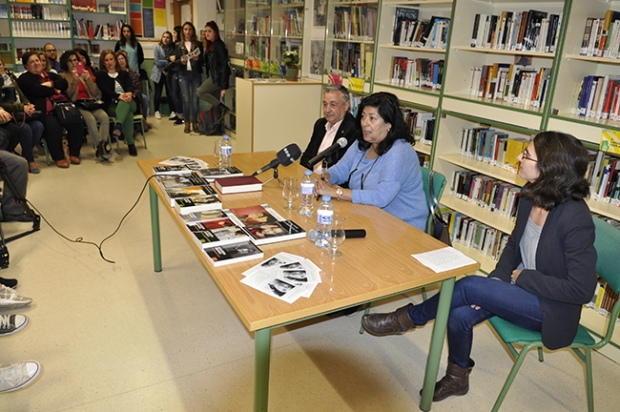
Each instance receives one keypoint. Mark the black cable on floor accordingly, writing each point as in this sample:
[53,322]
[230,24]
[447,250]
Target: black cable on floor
[100,245]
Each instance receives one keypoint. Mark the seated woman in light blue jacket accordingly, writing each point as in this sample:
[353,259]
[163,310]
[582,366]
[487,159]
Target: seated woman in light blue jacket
[382,169]
[161,55]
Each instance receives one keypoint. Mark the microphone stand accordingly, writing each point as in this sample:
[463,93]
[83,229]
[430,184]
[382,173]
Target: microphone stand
[275,176]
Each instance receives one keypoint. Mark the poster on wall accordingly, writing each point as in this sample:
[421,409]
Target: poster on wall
[316,56]
[320,13]
[148,17]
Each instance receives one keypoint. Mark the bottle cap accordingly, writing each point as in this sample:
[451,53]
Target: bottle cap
[308,172]
[226,137]
[326,198]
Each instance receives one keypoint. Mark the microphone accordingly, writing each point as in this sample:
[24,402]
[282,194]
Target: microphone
[284,157]
[340,144]
[313,234]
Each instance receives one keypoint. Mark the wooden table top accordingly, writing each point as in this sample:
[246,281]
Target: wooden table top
[371,268]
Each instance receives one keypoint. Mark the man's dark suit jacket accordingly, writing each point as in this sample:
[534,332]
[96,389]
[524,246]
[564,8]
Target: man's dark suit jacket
[348,129]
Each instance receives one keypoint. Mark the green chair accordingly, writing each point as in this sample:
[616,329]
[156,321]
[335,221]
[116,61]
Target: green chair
[137,118]
[439,182]
[47,152]
[607,245]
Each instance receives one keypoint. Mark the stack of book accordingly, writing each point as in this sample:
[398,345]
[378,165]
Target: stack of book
[264,225]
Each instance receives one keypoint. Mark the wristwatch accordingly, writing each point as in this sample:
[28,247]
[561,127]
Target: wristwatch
[339,193]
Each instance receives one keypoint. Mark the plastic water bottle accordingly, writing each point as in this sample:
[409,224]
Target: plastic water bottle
[324,217]
[307,194]
[225,152]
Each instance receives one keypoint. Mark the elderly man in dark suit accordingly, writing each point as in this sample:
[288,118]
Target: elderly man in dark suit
[336,122]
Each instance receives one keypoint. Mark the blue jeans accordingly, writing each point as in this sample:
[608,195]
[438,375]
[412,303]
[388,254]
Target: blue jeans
[495,298]
[190,82]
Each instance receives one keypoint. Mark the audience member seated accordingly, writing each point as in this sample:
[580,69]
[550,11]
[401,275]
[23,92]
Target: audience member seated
[83,58]
[82,85]
[336,122]
[142,101]
[51,56]
[117,95]
[381,169]
[40,87]
[27,132]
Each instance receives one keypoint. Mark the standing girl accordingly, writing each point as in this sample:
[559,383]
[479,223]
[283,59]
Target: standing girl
[189,53]
[161,55]
[214,88]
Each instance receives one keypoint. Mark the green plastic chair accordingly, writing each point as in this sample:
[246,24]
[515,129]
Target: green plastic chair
[607,245]
[439,182]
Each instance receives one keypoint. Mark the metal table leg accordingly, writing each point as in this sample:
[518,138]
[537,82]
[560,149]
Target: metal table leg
[434,354]
[262,349]
[155,229]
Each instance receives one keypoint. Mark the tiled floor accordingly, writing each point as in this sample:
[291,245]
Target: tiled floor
[120,337]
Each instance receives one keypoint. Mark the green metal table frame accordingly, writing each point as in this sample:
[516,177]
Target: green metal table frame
[262,337]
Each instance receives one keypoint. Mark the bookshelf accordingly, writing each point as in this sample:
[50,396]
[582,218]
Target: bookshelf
[65,23]
[350,41]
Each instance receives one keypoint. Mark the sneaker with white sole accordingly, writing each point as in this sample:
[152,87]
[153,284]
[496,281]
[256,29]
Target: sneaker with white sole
[172,116]
[9,298]
[157,115]
[18,375]
[10,324]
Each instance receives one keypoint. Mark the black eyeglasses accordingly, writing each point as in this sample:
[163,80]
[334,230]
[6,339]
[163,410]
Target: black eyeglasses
[526,155]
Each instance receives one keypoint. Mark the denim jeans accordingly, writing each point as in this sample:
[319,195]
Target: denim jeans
[190,82]
[494,297]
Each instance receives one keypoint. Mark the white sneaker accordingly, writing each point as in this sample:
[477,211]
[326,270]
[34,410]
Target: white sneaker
[9,298]
[18,375]
[157,115]
[10,324]
[172,115]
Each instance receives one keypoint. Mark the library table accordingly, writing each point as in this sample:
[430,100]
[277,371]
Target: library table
[370,269]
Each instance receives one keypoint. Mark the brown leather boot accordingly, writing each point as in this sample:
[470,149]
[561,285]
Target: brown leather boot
[187,127]
[195,127]
[455,383]
[384,324]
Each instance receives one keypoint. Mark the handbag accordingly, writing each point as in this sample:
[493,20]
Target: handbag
[89,104]
[439,226]
[67,113]
[20,117]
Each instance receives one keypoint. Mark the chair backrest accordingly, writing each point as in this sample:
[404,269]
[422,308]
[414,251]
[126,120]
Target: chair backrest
[439,181]
[607,245]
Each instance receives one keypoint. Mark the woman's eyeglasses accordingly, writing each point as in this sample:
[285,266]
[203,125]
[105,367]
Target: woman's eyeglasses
[527,156]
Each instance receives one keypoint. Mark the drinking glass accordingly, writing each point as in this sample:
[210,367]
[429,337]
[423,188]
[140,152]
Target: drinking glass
[290,191]
[335,236]
[217,153]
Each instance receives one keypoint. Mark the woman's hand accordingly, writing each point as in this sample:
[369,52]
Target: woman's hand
[6,116]
[515,275]
[172,57]
[126,97]
[223,93]
[29,109]
[47,84]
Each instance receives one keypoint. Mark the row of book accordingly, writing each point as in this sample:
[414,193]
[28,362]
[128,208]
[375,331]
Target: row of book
[511,83]
[352,59]
[259,25]
[421,124]
[601,36]
[604,298]
[259,48]
[409,31]
[603,174]
[491,146]
[225,235]
[36,11]
[597,97]
[291,24]
[410,72]
[355,22]
[531,30]
[90,6]
[486,192]
[471,233]
[36,29]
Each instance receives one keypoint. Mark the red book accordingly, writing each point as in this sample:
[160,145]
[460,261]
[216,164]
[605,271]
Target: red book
[241,184]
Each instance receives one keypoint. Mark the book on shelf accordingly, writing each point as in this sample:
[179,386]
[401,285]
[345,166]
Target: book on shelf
[405,22]
[185,205]
[601,35]
[233,253]
[242,184]
[597,97]
[264,225]
[357,21]
[471,233]
[216,232]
